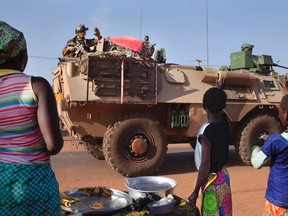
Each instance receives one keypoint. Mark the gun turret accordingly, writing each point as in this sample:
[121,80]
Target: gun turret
[254,63]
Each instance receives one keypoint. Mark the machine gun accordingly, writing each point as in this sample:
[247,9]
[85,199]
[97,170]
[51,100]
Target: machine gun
[80,50]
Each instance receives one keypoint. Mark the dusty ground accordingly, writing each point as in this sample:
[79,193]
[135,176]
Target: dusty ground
[76,168]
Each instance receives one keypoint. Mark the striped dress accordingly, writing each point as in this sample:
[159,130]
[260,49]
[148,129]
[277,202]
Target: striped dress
[27,183]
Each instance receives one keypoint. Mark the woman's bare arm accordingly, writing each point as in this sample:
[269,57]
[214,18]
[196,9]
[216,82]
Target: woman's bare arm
[203,170]
[47,115]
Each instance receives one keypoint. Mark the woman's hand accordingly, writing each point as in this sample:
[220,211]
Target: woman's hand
[193,198]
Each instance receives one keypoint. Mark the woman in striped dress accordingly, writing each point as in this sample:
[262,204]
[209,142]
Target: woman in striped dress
[29,134]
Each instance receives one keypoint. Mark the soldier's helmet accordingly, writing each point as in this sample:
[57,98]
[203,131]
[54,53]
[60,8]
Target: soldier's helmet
[146,38]
[247,47]
[80,27]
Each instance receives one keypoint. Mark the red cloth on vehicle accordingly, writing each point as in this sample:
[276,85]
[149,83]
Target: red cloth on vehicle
[128,42]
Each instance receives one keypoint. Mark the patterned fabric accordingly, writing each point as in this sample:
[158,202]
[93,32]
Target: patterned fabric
[273,210]
[276,146]
[217,199]
[21,141]
[12,42]
[28,190]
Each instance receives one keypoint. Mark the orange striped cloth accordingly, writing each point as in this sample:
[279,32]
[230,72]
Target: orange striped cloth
[273,210]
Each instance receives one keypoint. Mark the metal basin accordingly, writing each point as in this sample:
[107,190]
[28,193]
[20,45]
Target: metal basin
[162,206]
[112,204]
[140,187]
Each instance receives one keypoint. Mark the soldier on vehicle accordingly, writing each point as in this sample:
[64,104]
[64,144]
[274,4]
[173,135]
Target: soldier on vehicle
[247,48]
[147,48]
[79,44]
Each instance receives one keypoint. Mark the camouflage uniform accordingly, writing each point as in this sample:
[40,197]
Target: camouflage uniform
[85,44]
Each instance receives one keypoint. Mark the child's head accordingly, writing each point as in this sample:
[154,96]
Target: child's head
[214,100]
[283,111]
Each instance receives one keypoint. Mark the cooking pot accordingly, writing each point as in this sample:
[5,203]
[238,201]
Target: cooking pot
[140,187]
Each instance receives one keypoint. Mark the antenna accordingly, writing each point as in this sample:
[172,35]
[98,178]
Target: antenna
[199,61]
[207,43]
[140,36]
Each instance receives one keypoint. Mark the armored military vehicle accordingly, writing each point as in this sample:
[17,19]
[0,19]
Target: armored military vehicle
[126,108]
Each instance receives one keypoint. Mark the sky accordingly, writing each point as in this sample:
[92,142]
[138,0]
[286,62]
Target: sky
[209,30]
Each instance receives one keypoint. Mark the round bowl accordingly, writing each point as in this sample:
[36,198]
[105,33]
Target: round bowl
[162,206]
[140,187]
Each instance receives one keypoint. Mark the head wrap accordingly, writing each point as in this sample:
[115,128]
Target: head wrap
[12,42]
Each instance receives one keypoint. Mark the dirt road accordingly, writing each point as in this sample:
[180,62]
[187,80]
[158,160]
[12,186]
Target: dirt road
[76,168]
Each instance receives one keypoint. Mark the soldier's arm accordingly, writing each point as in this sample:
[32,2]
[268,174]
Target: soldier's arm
[70,47]
[97,34]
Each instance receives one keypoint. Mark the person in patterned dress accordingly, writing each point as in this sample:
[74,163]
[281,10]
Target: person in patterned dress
[29,134]
[211,155]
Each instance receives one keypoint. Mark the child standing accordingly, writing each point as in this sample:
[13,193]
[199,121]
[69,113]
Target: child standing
[276,147]
[211,155]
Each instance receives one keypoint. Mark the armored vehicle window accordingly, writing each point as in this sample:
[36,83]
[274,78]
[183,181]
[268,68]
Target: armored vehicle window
[269,84]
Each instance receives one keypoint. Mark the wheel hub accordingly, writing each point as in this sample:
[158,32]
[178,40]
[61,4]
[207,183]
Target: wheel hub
[139,146]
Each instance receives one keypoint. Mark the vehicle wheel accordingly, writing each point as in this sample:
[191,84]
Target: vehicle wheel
[106,140]
[95,146]
[95,150]
[250,133]
[135,146]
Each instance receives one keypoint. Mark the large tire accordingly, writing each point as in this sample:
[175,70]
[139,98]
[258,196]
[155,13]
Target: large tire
[135,146]
[251,131]
[94,150]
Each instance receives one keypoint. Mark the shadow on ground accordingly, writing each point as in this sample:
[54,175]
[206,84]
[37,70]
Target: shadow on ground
[183,162]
